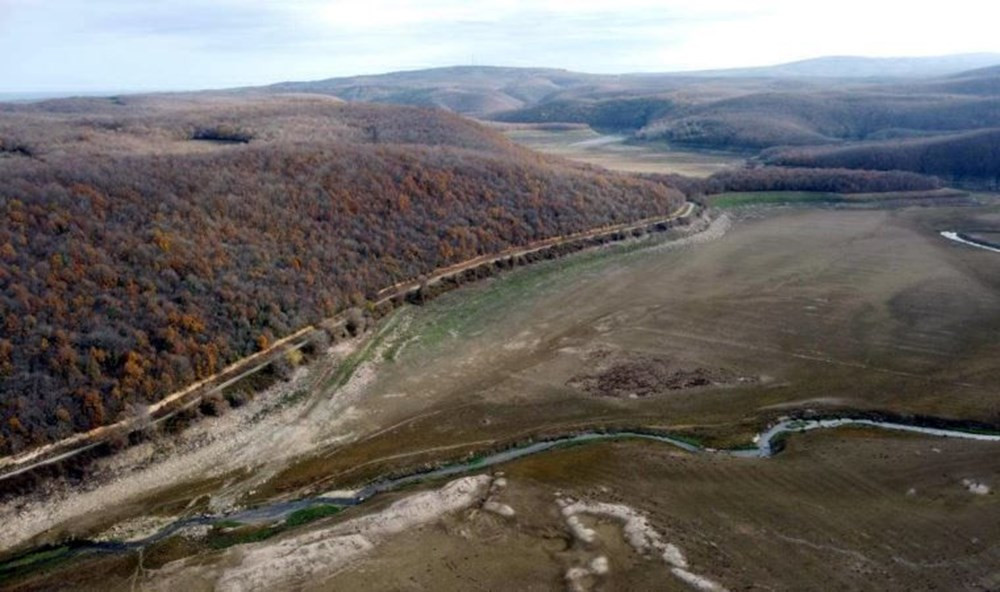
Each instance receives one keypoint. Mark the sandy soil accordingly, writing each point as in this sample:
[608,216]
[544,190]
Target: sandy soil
[312,555]
[639,534]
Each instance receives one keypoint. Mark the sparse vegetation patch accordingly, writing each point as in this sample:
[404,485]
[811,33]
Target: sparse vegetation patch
[640,375]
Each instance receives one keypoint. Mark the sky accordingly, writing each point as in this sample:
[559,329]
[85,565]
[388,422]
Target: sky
[139,45]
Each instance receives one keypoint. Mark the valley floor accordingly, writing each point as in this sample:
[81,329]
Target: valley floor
[616,153]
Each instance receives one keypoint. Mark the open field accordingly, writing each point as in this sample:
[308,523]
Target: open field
[614,152]
[801,309]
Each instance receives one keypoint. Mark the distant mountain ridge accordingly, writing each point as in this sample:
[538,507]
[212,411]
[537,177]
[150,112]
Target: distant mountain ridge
[473,90]
[866,67]
[486,90]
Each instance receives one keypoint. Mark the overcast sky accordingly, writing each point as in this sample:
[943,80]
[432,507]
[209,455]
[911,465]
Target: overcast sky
[114,45]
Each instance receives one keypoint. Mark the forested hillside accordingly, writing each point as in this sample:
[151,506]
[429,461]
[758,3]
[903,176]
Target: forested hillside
[149,242]
[780,119]
[971,158]
[611,114]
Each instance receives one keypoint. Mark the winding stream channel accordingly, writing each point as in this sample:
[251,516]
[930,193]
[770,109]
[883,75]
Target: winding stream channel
[958,237]
[764,446]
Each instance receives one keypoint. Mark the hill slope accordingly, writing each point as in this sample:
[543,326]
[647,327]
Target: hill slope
[136,259]
[486,90]
[971,158]
[472,90]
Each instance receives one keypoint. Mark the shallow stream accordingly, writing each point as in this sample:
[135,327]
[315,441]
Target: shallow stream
[763,447]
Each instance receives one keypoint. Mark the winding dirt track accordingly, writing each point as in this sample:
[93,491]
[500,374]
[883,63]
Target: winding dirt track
[66,448]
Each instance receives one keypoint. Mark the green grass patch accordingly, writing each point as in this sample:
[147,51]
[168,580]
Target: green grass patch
[38,560]
[242,536]
[307,515]
[34,559]
[472,309]
[753,198]
[351,363]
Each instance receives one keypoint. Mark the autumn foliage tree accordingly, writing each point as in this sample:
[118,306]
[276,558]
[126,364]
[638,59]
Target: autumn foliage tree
[127,274]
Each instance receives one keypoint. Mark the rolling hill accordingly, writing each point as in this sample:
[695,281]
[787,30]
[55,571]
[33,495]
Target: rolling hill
[472,90]
[843,102]
[152,240]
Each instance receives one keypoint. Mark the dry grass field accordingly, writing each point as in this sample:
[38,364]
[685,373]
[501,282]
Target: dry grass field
[613,152]
[846,511]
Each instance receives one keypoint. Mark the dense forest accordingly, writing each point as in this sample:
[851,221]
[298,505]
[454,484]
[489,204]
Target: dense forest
[969,159]
[148,242]
[773,178]
[763,120]
[770,178]
[611,114]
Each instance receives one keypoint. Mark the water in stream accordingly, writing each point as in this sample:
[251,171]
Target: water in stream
[763,448]
[959,238]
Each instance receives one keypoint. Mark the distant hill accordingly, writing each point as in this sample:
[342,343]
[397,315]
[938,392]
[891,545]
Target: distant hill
[487,90]
[865,67]
[473,90]
[971,158]
[763,120]
[982,81]
[893,106]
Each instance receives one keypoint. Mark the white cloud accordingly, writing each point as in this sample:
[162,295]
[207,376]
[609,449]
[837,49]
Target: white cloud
[115,44]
